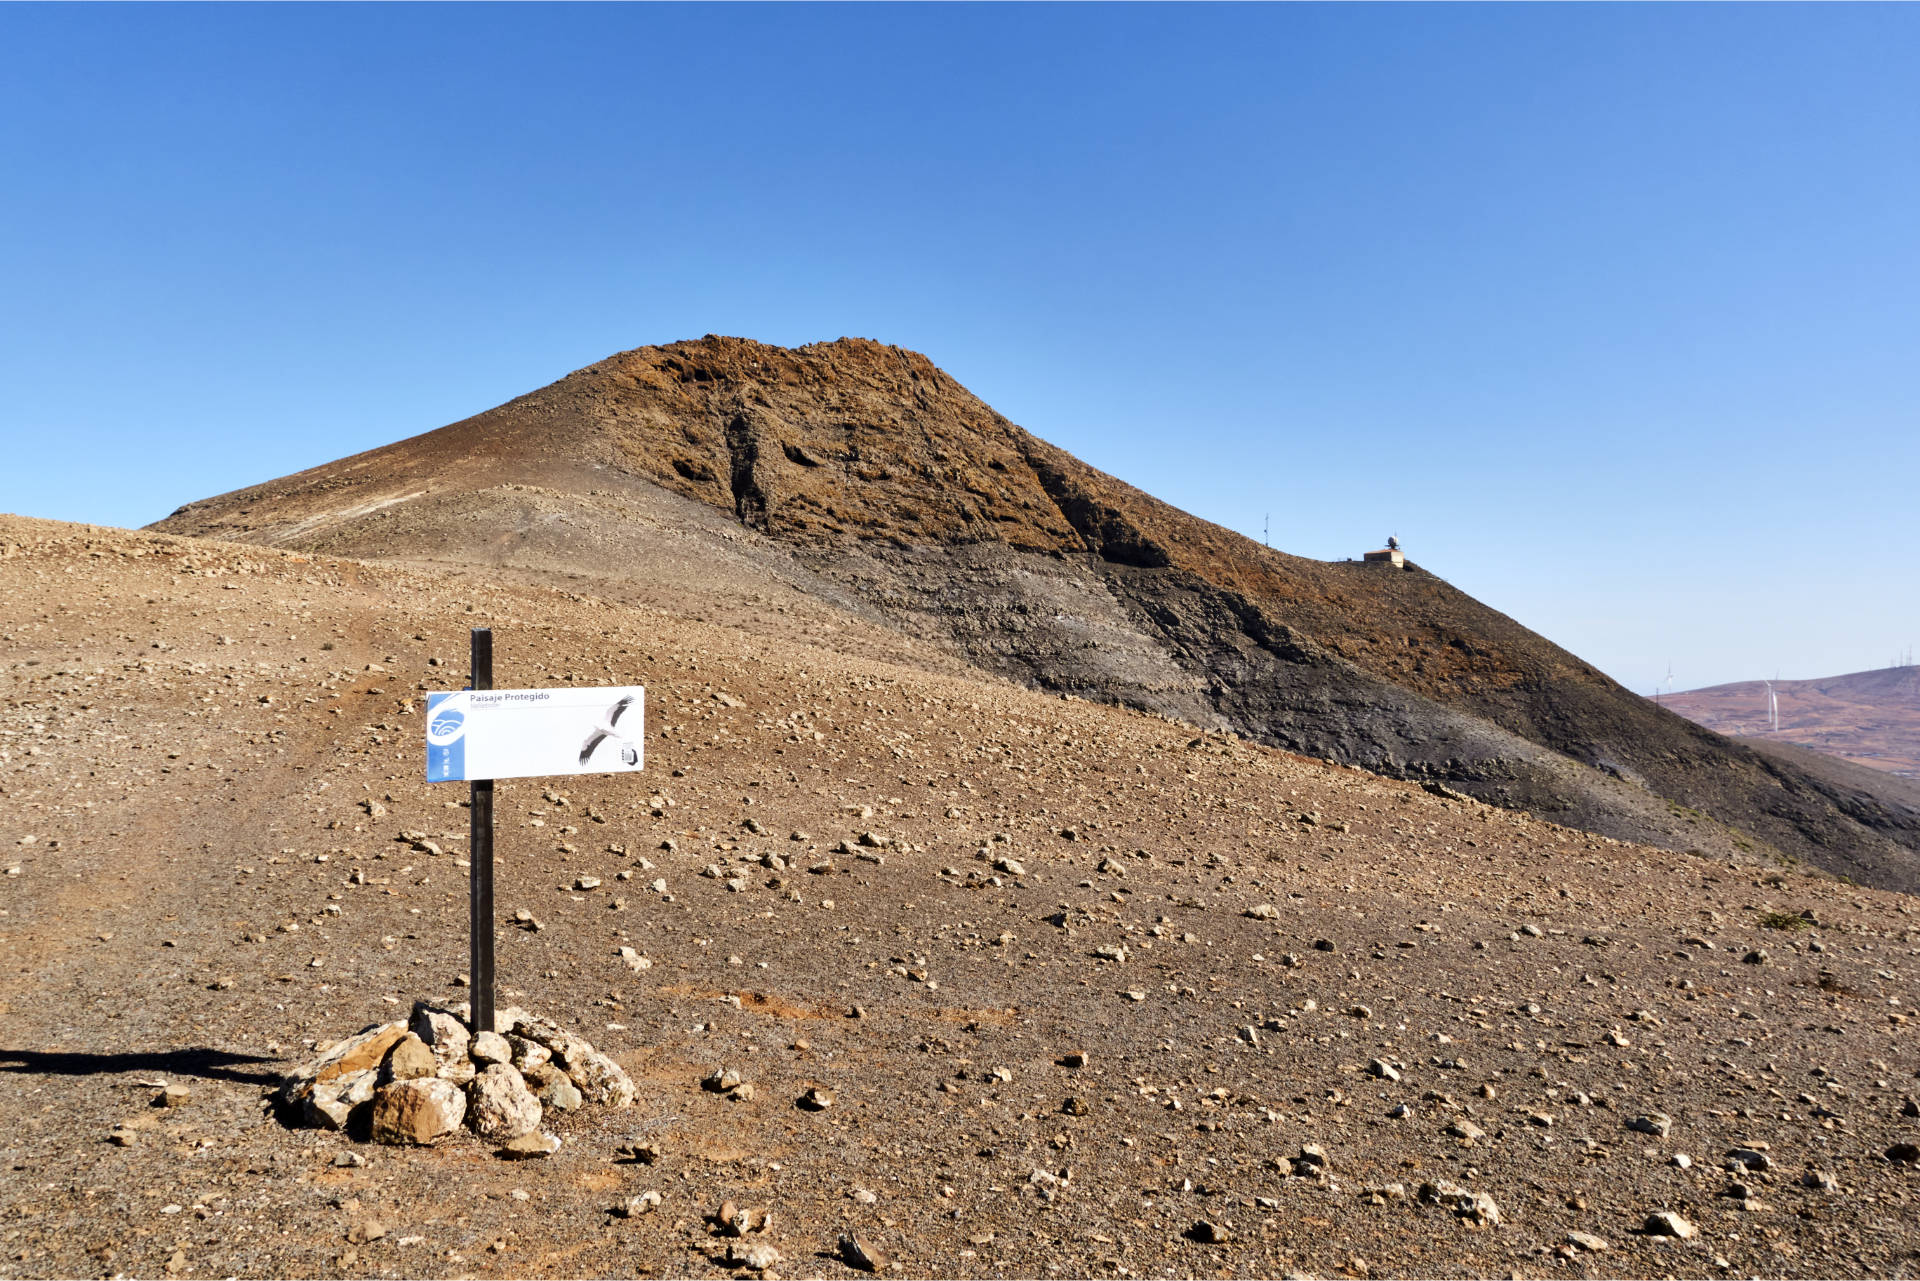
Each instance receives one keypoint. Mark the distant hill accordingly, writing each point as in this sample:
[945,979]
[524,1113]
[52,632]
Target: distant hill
[1870,718]
[860,490]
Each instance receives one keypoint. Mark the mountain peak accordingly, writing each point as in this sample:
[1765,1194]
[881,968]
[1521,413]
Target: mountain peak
[861,485]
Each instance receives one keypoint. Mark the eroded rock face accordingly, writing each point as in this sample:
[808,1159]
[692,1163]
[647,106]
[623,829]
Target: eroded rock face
[418,1111]
[500,1105]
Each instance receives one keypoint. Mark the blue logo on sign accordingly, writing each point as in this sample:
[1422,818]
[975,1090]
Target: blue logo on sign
[446,737]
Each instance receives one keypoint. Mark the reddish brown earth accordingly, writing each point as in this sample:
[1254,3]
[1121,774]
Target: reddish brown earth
[209,753]
[1869,718]
[858,490]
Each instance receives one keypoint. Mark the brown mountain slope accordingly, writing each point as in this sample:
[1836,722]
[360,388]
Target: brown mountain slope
[1871,718]
[869,491]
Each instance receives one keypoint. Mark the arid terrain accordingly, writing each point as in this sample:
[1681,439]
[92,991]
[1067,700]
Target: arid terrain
[1869,718]
[1024,854]
[211,774]
[858,486]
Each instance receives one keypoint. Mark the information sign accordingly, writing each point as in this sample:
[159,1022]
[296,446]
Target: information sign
[527,733]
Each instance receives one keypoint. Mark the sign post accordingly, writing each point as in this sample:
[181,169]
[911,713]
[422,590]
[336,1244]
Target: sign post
[479,734]
[480,843]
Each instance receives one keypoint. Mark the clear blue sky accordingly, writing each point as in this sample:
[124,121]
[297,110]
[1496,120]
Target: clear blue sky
[1611,312]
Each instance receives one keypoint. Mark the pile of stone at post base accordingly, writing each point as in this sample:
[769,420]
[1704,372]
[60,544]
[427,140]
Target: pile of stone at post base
[419,1081]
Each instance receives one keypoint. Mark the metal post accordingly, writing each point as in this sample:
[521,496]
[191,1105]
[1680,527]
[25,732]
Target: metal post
[480,882]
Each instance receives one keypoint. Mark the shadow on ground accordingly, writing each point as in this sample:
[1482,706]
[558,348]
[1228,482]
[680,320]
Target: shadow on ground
[213,1065]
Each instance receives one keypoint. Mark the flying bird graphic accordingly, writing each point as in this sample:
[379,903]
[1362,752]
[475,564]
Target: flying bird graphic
[606,729]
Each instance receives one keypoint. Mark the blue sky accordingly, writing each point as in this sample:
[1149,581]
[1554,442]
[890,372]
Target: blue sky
[1610,312]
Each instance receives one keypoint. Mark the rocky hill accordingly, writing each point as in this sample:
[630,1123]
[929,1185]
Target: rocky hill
[1871,718]
[858,488]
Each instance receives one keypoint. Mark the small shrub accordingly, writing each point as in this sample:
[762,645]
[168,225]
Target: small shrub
[1785,921]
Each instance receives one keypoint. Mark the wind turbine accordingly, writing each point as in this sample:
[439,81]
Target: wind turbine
[1773,709]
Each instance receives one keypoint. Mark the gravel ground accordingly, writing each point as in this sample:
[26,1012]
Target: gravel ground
[209,778]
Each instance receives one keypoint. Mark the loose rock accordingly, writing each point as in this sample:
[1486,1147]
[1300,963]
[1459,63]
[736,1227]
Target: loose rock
[419,1111]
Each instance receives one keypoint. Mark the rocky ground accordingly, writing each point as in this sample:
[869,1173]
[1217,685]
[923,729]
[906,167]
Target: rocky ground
[1004,984]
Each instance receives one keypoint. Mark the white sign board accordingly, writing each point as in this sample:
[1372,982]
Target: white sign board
[523,733]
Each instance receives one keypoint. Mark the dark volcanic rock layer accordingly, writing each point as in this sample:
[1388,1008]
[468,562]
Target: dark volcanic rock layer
[860,482]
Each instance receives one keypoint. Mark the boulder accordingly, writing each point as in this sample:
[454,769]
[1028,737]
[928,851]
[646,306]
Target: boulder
[598,1077]
[330,1103]
[531,1147]
[490,1047]
[360,1052]
[419,1111]
[559,1092]
[410,1059]
[500,1107]
[443,1031]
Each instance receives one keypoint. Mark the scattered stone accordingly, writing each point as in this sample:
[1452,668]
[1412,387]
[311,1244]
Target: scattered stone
[1263,912]
[1904,1154]
[1665,1223]
[1073,1059]
[1384,1070]
[1479,1209]
[531,1147]
[1207,1232]
[635,1206]
[1654,1123]
[1587,1241]
[816,1099]
[173,1096]
[1465,1129]
[1748,1159]
[760,1257]
[858,1252]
